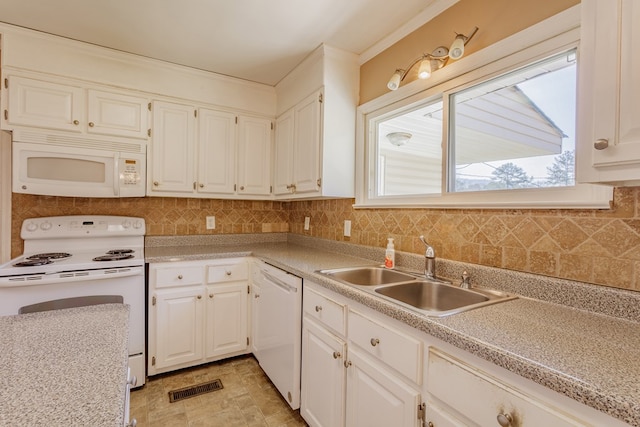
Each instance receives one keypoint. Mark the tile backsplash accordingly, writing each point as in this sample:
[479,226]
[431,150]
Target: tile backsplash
[595,246]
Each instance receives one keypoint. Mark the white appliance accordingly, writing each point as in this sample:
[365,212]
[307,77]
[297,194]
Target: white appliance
[72,261]
[277,328]
[57,164]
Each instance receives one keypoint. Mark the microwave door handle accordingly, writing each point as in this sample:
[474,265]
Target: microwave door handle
[116,174]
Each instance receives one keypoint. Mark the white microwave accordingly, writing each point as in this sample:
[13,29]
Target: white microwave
[74,171]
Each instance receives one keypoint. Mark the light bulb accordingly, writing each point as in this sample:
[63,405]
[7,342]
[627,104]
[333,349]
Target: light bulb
[457,47]
[424,72]
[394,81]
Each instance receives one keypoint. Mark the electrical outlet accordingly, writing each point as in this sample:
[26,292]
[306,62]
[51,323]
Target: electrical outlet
[306,222]
[211,222]
[347,228]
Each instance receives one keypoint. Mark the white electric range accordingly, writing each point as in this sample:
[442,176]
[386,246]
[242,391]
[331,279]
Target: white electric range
[71,261]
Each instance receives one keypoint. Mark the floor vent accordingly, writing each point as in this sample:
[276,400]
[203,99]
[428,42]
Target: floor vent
[195,390]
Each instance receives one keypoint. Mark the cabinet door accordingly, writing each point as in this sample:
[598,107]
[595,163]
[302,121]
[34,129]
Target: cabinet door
[172,148]
[609,93]
[322,402]
[216,151]
[256,292]
[283,155]
[254,154]
[307,140]
[117,114]
[226,325]
[376,398]
[179,324]
[45,104]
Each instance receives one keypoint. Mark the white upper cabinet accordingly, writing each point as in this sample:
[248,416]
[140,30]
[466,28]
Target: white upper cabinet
[254,156]
[318,151]
[171,159]
[59,104]
[609,93]
[117,114]
[200,152]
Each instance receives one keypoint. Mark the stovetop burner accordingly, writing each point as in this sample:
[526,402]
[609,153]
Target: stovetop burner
[113,257]
[33,262]
[50,255]
[120,251]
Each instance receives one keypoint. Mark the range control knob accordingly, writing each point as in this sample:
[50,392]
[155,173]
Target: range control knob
[137,224]
[126,224]
[31,226]
[45,226]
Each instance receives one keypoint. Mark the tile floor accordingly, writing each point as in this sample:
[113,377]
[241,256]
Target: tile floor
[248,398]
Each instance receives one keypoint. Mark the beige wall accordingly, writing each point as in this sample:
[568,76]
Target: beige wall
[496,19]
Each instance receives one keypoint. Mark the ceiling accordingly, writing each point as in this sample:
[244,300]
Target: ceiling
[256,40]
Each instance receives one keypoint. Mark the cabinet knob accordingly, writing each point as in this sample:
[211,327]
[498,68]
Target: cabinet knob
[601,144]
[133,423]
[199,296]
[318,308]
[132,381]
[210,295]
[156,183]
[201,185]
[227,272]
[179,276]
[256,296]
[375,341]
[242,187]
[505,420]
[76,122]
[347,363]
[91,124]
[337,355]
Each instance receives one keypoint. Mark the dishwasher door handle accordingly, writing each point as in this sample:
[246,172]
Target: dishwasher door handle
[279,282]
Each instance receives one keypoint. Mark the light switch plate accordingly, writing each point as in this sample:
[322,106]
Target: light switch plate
[211,222]
[347,228]
[306,222]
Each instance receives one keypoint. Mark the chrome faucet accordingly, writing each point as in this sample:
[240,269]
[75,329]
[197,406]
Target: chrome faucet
[429,260]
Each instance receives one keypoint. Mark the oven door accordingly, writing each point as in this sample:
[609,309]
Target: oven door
[76,172]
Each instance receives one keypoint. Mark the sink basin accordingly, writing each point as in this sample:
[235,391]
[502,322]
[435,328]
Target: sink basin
[432,296]
[368,276]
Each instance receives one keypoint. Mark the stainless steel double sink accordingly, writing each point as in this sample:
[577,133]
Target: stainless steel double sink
[432,297]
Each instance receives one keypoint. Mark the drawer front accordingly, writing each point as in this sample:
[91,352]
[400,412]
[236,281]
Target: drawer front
[483,398]
[325,310]
[177,276]
[227,271]
[395,348]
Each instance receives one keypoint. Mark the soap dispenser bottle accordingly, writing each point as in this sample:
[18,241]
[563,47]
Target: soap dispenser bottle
[390,254]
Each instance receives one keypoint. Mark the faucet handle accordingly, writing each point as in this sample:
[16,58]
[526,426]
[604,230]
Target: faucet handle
[465,280]
[430,253]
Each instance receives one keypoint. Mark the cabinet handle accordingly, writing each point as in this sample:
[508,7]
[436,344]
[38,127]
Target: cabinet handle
[336,355]
[318,308]
[179,276]
[76,122]
[375,341]
[199,296]
[601,144]
[505,420]
[347,363]
[91,124]
[210,295]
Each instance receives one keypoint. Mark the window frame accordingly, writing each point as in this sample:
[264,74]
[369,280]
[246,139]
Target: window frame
[547,38]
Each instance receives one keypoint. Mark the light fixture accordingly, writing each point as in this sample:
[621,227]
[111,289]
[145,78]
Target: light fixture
[399,138]
[435,60]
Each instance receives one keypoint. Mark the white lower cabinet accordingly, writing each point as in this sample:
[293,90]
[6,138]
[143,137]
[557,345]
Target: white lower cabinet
[377,397]
[198,312]
[323,376]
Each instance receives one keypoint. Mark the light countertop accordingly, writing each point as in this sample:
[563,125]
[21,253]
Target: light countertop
[587,356]
[64,367]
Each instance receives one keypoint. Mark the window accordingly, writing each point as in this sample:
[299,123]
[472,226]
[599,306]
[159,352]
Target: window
[497,134]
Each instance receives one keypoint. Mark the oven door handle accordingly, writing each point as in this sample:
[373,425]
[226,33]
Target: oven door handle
[70,276]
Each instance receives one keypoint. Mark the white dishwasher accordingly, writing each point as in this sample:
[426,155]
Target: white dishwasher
[276,324]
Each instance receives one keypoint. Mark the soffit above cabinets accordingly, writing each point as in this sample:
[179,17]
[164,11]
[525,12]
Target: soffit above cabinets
[255,40]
